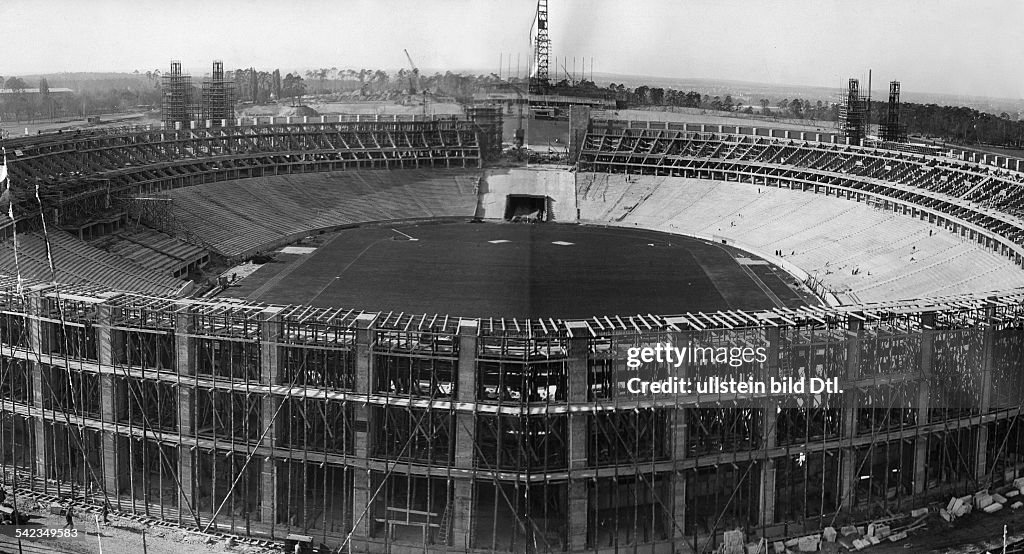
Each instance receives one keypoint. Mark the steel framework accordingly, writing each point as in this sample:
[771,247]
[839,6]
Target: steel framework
[541,51]
[853,114]
[178,108]
[218,99]
[891,129]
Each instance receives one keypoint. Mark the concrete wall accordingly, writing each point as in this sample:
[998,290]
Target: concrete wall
[558,185]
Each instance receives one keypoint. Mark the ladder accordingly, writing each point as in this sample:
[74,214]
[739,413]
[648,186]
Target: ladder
[446,522]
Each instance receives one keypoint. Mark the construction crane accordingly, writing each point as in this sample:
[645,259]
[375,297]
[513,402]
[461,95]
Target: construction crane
[414,79]
[414,76]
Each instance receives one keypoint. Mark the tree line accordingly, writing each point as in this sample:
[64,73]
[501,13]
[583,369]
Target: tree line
[121,92]
[956,124]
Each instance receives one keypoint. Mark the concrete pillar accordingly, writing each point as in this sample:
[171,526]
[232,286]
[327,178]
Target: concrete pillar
[270,331]
[923,395]
[268,493]
[680,436]
[769,439]
[361,482]
[577,380]
[184,360]
[465,436]
[577,515]
[109,401]
[985,392]
[466,387]
[40,390]
[848,473]
[578,369]
[462,515]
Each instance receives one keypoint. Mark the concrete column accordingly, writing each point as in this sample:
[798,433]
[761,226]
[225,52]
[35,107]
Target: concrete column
[923,395]
[361,482]
[679,438]
[466,387]
[769,437]
[40,390]
[985,394]
[848,477]
[270,331]
[268,493]
[361,491]
[680,433]
[462,515]
[364,355]
[465,436]
[578,370]
[577,515]
[184,360]
[108,396]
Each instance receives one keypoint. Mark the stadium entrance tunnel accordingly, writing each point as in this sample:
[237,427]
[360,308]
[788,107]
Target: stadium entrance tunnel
[526,207]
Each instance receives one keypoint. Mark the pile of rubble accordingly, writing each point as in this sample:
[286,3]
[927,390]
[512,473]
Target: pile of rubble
[985,501]
[848,538]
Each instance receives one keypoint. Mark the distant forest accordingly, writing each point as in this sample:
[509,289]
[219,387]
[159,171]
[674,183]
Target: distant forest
[953,124]
[124,92]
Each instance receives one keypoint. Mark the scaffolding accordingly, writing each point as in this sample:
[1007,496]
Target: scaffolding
[178,109]
[891,129]
[853,114]
[381,430]
[218,98]
[541,50]
[488,121]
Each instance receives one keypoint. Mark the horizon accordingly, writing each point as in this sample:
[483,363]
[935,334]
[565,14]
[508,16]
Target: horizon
[778,43]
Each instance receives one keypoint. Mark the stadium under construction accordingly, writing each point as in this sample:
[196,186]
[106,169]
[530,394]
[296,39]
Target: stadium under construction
[390,430]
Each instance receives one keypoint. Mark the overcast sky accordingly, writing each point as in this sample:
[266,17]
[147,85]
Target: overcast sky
[973,47]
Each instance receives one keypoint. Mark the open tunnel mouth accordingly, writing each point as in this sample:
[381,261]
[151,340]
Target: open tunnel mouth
[525,207]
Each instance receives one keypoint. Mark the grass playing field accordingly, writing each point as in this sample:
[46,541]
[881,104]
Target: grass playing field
[517,270]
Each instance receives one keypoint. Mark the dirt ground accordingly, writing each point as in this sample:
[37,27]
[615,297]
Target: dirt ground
[121,536]
[13,129]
